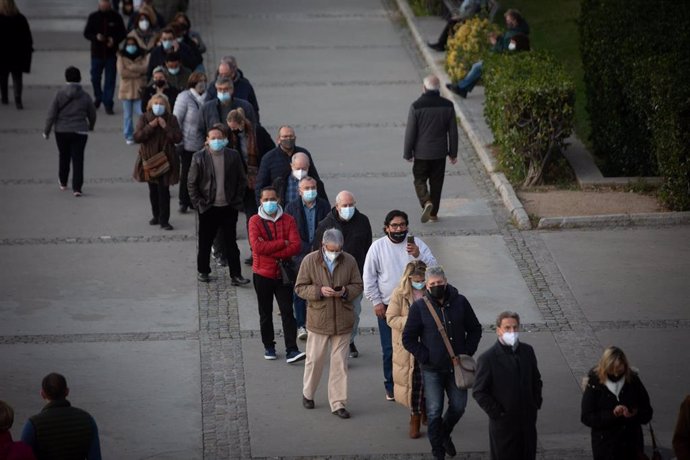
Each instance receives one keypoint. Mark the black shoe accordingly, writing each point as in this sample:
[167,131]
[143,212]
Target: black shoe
[153,221]
[223,262]
[18,104]
[183,209]
[166,226]
[449,447]
[454,88]
[249,261]
[390,396]
[238,280]
[353,351]
[5,100]
[437,46]
[342,413]
[97,104]
[307,403]
[203,277]
[109,111]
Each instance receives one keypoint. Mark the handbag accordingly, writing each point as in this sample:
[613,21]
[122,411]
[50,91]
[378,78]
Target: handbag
[464,366]
[288,273]
[656,455]
[155,166]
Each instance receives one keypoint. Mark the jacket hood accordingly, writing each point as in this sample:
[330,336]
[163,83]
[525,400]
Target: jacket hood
[73,90]
[265,216]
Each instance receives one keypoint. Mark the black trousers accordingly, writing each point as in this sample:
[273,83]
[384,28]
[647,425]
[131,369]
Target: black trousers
[447,30]
[225,219]
[250,209]
[16,83]
[159,195]
[185,163]
[71,148]
[434,172]
[265,289]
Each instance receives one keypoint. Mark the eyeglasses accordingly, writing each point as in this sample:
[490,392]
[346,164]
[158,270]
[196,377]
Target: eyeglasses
[403,225]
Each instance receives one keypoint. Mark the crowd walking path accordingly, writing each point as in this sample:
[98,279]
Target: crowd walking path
[174,369]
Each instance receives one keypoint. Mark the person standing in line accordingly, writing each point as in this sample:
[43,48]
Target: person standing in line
[143,30]
[356,231]
[105,29]
[431,135]
[61,430]
[186,110]
[158,131]
[159,85]
[16,48]
[216,110]
[508,388]
[407,375]
[72,114]
[615,405]
[328,280]
[383,267]
[274,238]
[9,449]
[216,184]
[681,434]
[422,338]
[131,65]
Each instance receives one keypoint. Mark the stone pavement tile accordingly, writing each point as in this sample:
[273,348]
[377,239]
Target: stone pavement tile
[632,274]
[279,8]
[143,395]
[98,288]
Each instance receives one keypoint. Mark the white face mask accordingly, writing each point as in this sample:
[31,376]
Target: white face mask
[331,256]
[510,338]
[512,46]
[299,173]
[144,25]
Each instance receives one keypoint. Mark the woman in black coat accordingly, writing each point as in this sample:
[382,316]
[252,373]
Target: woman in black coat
[614,405]
[16,46]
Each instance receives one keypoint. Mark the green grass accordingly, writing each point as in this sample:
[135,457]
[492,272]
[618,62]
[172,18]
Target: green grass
[553,27]
[426,7]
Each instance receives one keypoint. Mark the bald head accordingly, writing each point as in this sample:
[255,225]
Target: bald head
[432,83]
[344,197]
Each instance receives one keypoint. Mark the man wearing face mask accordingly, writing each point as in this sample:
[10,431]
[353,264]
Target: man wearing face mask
[383,266]
[307,210]
[329,280]
[276,163]
[243,88]
[508,387]
[216,185]
[422,338]
[168,44]
[217,110]
[176,74]
[356,229]
[159,87]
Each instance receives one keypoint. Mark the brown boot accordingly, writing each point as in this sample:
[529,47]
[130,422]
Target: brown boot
[415,420]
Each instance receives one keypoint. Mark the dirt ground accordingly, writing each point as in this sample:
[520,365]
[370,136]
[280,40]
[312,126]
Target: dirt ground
[557,203]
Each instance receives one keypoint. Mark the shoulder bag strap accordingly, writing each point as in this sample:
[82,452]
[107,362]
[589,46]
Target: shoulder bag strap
[440,327]
[268,231]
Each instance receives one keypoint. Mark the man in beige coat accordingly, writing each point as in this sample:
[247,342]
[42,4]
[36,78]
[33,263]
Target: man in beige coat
[329,281]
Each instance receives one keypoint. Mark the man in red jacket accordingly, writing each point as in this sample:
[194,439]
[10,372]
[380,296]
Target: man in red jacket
[274,237]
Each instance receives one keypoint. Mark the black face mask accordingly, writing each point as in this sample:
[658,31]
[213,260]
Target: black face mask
[614,378]
[397,237]
[159,83]
[437,292]
[236,132]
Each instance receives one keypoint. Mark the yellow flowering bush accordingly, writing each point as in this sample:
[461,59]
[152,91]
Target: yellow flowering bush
[467,45]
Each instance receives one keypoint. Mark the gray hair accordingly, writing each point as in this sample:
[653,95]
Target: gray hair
[299,155]
[432,83]
[224,81]
[339,197]
[507,314]
[229,61]
[434,272]
[333,236]
[306,179]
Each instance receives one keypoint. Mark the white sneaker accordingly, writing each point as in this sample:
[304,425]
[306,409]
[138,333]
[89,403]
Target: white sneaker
[302,333]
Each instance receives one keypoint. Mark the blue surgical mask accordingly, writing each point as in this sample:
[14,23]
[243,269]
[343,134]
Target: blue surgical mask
[167,44]
[346,213]
[269,207]
[131,49]
[223,97]
[158,109]
[217,144]
[174,70]
[418,285]
[309,195]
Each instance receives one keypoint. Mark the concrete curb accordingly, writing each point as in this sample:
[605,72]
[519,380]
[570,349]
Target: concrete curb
[510,200]
[610,220]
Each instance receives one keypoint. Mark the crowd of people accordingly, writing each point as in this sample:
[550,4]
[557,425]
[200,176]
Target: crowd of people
[316,260]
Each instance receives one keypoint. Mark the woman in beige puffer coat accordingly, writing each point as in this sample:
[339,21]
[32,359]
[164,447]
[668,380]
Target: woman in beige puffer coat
[132,63]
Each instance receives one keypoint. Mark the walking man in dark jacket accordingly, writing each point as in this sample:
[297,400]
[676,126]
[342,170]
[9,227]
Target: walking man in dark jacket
[508,388]
[430,136]
[356,231]
[216,185]
[421,337]
[60,430]
[105,29]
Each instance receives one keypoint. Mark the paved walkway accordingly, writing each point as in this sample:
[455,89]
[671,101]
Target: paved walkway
[174,370]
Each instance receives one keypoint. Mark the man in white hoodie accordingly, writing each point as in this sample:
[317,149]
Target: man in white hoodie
[383,267]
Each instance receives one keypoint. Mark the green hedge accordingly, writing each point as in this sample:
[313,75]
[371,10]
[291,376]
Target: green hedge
[530,108]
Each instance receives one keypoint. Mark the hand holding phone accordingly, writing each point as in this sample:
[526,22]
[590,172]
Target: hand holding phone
[337,288]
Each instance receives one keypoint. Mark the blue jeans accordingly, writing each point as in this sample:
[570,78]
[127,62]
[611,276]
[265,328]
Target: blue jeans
[299,305]
[106,94]
[472,77]
[387,348]
[357,306]
[441,425]
[130,107]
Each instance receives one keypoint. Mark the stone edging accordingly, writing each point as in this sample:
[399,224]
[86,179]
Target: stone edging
[613,220]
[510,200]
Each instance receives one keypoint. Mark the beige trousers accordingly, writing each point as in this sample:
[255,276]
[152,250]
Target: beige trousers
[317,346]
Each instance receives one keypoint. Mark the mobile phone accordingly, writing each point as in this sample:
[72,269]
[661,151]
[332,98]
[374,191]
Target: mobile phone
[337,288]
[410,239]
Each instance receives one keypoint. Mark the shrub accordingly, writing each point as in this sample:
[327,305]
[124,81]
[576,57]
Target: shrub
[530,108]
[427,7]
[468,45]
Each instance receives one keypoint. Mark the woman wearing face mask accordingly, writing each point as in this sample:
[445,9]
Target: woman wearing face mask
[158,131]
[186,111]
[407,375]
[243,139]
[132,62]
[614,405]
[158,85]
[143,29]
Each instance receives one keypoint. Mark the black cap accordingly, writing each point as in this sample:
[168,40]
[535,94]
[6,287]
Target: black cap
[72,75]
